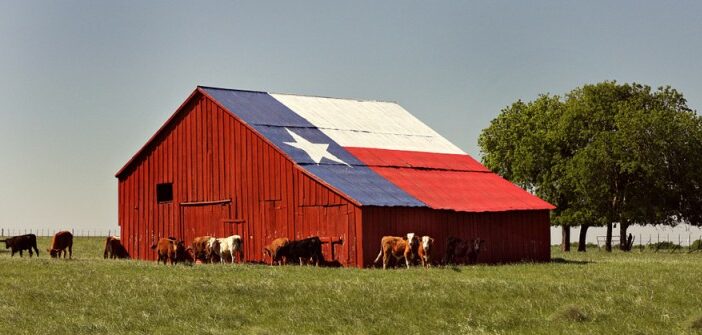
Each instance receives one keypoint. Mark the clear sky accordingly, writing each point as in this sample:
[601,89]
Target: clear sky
[84,84]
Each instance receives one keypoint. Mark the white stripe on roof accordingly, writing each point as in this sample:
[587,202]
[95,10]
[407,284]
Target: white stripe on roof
[368,124]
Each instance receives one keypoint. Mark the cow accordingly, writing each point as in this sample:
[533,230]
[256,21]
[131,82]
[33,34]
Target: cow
[232,245]
[398,247]
[200,247]
[170,250]
[21,243]
[459,251]
[425,251]
[273,250]
[305,250]
[114,249]
[59,243]
[212,250]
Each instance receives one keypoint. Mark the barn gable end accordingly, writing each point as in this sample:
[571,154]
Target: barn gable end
[226,179]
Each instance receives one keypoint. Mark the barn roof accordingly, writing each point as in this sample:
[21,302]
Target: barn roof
[374,152]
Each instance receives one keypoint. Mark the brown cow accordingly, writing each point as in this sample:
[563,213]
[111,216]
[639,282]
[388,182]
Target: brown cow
[114,249]
[200,247]
[59,243]
[273,250]
[399,248]
[170,250]
[425,251]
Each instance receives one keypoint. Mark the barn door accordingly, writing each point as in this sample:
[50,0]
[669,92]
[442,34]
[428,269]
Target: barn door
[331,224]
[200,219]
[271,216]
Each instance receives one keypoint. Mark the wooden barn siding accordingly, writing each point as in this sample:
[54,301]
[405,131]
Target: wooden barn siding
[509,236]
[209,155]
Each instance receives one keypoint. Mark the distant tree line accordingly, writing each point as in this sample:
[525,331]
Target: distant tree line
[603,154]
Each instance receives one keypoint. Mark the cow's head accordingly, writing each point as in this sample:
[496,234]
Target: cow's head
[477,242]
[53,252]
[427,242]
[413,241]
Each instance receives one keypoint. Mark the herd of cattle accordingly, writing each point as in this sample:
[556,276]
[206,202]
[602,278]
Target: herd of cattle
[207,249]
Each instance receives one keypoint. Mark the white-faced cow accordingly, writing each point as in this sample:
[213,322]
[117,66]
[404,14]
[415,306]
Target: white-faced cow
[22,242]
[399,248]
[426,249]
[59,243]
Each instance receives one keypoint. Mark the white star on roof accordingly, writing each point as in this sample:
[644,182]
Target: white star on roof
[316,151]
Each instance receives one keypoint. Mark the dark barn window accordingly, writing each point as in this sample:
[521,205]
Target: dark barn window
[164,192]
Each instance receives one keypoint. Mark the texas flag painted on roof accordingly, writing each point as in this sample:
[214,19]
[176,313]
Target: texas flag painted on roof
[375,152]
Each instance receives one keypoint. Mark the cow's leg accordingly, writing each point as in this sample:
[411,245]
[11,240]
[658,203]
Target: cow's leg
[20,252]
[386,260]
[70,251]
[30,252]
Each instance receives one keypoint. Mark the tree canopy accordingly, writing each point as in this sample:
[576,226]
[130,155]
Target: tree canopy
[603,153]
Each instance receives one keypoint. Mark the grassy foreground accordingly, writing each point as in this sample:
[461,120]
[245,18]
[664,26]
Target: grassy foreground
[591,293]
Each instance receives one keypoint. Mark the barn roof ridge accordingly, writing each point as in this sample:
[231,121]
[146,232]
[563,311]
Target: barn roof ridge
[299,95]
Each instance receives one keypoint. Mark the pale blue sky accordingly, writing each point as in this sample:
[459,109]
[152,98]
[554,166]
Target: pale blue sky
[84,84]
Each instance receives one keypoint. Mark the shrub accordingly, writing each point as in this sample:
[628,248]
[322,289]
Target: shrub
[663,245]
[696,245]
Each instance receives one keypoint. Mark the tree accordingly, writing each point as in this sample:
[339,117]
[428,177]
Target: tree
[604,154]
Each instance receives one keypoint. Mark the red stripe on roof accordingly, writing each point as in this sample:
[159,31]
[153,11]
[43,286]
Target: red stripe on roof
[446,181]
[415,159]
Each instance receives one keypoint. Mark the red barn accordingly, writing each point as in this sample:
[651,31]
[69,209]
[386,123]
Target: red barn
[276,165]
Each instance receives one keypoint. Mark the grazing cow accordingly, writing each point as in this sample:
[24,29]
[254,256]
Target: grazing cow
[460,251]
[232,245]
[398,247]
[200,247]
[170,250]
[425,251]
[114,249]
[308,249]
[273,250]
[59,243]
[22,242]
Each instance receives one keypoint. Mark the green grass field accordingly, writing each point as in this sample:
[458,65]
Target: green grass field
[591,293]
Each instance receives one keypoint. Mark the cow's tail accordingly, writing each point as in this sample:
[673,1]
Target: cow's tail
[380,255]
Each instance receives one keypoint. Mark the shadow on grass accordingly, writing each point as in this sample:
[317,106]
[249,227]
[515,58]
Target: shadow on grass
[559,260]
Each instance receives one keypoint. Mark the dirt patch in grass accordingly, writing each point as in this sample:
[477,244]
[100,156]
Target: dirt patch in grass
[570,313]
[696,324]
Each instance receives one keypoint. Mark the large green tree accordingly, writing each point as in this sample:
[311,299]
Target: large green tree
[603,154]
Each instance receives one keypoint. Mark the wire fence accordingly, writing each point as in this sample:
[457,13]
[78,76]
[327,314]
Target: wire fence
[52,231]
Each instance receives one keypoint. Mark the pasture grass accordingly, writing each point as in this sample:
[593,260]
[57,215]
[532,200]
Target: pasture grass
[577,293]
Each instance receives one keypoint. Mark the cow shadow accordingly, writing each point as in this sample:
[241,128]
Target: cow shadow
[560,260]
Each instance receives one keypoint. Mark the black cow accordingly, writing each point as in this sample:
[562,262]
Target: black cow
[22,242]
[114,249]
[460,251]
[308,249]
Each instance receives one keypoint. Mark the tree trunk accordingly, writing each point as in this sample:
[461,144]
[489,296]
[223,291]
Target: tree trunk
[624,243]
[565,238]
[608,241]
[582,240]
